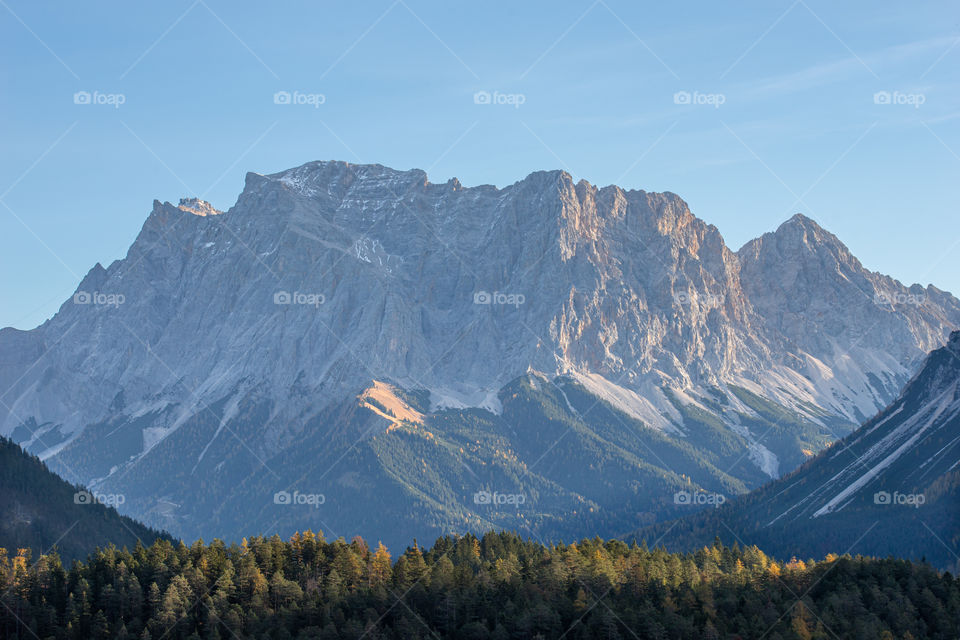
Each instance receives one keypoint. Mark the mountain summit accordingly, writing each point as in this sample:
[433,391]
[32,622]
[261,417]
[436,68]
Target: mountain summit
[225,343]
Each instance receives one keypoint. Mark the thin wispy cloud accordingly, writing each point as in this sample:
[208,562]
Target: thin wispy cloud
[842,69]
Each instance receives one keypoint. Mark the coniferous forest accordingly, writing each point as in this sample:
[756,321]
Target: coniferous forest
[499,586]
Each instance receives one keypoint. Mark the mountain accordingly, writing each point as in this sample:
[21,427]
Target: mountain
[592,350]
[41,511]
[892,487]
[811,291]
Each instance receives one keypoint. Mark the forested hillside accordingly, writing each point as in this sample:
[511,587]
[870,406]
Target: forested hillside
[500,586]
[38,510]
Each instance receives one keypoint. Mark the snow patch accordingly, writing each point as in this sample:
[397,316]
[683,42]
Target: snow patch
[632,403]
[915,426]
[465,398]
[299,181]
[229,413]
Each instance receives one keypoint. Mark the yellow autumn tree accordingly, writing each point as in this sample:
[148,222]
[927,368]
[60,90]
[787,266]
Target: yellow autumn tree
[380,567]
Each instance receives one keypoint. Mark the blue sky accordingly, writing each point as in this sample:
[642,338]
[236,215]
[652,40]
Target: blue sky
[751,112]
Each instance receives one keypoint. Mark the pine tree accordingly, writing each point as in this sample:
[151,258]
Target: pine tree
[799,623]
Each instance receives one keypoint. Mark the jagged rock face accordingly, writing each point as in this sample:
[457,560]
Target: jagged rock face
[830,312]
[649,289]
[330,275]
[604,281]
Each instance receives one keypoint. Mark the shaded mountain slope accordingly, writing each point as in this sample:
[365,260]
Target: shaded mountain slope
[891,487]
[39,511]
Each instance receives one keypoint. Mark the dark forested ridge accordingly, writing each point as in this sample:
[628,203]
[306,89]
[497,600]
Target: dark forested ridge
[500,586]
[38,510]
[892,487]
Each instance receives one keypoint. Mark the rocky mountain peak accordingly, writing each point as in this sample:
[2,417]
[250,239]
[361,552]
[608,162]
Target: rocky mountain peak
[799,235]
[322,177]
[810,290]
[940,371]
[799,219]
[198,207]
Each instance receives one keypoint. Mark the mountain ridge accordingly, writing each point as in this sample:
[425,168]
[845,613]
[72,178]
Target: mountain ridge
[226,335]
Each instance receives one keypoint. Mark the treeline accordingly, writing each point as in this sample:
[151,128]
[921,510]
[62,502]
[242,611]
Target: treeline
[499,586]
